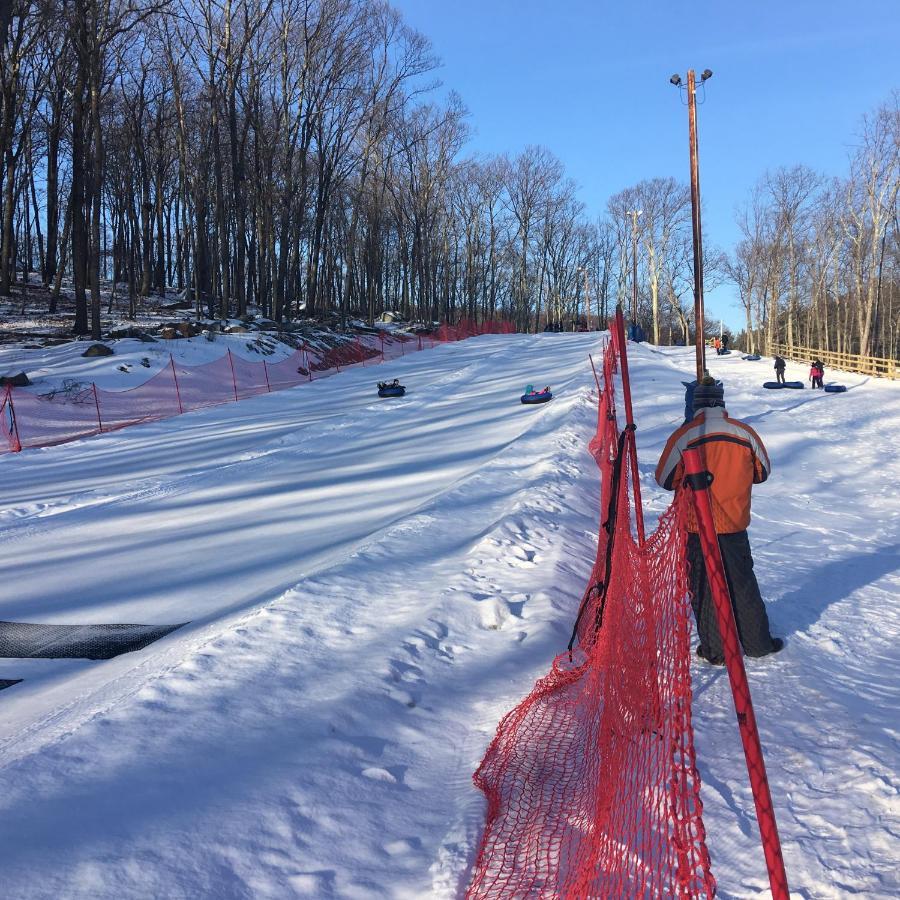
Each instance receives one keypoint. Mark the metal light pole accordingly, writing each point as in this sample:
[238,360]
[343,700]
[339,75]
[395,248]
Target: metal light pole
[634,213]
[695,212]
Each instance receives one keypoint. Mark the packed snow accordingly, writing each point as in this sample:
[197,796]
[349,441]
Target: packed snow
[371,584]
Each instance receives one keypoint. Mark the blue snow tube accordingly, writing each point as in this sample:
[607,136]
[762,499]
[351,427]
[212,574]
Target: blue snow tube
[835,388]
[797,385]
[392,391]
[753,357]
[538,397]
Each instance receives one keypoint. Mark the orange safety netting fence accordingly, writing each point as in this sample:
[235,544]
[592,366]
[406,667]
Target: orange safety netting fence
[33,420]
[591,782]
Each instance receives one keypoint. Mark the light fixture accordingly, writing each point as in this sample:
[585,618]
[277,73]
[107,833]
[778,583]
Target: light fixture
[676,79]
[706,75]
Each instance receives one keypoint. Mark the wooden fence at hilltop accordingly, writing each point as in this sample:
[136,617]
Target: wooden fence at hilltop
[846,362]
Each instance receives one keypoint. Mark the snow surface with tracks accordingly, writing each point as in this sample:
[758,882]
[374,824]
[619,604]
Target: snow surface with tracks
[371,584]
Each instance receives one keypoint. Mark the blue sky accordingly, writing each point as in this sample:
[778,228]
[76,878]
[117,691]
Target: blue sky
[590,81]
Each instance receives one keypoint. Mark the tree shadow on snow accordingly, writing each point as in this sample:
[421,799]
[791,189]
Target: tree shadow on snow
[833,581]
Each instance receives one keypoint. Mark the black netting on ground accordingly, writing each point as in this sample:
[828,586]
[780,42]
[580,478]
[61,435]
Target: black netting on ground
[8,682]
[21,640]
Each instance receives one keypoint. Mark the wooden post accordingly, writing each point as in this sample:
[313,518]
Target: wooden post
[177,391]
[15,443]
[233,378]
[97,404]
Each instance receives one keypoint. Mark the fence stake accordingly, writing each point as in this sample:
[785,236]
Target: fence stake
[594,370]
[266,373]
[14,425]
[233,378]
[97,404]
[177,391]
[698,479]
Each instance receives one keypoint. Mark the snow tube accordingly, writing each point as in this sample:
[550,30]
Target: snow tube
[752,357]
[538,397]
[722,352]
[835,388]
[392,391]
[798,385]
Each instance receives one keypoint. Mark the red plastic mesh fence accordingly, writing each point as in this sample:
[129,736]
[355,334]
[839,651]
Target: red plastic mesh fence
[591,781]
[33,420]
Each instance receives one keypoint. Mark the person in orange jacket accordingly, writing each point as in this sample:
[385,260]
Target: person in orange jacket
[737,459]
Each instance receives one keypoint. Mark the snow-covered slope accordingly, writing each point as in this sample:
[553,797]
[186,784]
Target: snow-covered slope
[371,584]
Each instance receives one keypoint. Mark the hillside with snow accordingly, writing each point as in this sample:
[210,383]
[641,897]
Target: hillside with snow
[369,585]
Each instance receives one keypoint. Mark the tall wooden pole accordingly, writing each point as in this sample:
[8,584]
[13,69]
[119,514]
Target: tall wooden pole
[634,296]
[587,301]
[695,222]
[634,213]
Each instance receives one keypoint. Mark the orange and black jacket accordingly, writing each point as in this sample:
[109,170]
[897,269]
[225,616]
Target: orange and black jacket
[733,453]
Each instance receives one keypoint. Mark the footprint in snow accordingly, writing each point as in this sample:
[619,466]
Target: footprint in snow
[313,884]
[377,774]
[495,612]
[403,846]
[401,696]
[402,671]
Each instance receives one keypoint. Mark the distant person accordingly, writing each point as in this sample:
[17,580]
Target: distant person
[779,369]
[725,340]
[737,459]
[717,344]
[817,374]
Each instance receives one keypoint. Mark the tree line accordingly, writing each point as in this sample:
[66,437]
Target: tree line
[287,156]
[294,158]
[818,263]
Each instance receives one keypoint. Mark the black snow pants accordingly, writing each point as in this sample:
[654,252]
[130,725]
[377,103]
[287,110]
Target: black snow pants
[779,374]
[749,609]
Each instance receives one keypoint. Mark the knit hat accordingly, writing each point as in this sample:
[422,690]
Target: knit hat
[708,392]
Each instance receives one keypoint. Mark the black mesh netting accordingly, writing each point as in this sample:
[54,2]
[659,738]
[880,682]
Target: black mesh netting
[22,640]
[8,682]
